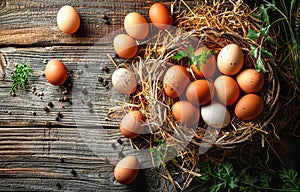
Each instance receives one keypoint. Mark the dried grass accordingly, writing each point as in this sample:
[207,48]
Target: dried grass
[215,26]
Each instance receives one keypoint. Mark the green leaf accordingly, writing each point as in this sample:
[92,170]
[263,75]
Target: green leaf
[266,53]
[179,55]
[254,51]
[252,34]
[217,187]
[191,51]
[271,41]
[259,65]
[265,180]
[264,31]
[264,14]
[290,180]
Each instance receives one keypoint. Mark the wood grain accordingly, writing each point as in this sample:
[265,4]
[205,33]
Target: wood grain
[38,158]
[33,22]
[78,152]
[85,62]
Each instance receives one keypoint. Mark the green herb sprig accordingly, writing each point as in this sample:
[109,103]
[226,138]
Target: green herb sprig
[197,60]
[20,77]
[226,178]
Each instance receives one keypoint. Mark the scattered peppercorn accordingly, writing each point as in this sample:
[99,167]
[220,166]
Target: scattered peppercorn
[103,16]
[58,185]
[33,113]
[43,74]
[46,109]
[120,141]
[100,79]
[66,99]
[59,114]
[73,172]
[50,104]
[13,94]
[63,107]
[56,118]
[105,68]
[9,112]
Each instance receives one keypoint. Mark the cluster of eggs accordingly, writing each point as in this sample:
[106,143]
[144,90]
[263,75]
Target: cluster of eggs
[209,95]
[125,45]
[137,28]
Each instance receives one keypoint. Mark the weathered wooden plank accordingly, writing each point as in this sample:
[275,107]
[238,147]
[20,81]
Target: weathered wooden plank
[38,158]
[90,99]
[33,22]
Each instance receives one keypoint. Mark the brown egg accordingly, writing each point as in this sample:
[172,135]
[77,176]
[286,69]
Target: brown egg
[131,124]
[176,81]
[136,25]
[125,46]
[186,113]
[68,20]
[56,72]
[208,68]
[124,81]
[227,90]
[230,59]
[249,107]
[126,170]
[250,80]
[200,92]
[160,16]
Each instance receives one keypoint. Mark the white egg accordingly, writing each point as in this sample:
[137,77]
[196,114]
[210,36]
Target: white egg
[124,81]
[215,115]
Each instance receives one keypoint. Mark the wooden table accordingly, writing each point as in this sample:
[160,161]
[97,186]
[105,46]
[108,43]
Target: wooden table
[78,152]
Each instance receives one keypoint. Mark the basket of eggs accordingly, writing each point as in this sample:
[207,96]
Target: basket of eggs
[196,84]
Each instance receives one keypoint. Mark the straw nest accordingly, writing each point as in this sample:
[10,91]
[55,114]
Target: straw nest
[214,25]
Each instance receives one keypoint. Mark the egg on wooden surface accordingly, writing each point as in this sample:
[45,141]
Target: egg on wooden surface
[176,80]
[68,20]
[230,59]
[200,92]
[215,115]
[131,124]
[124,81]
[56,72]
[208,68]
[227,90]
[126,170]
[250,80]
[186,113]
[249,107]
[125,46]
[160,16]
[136,25]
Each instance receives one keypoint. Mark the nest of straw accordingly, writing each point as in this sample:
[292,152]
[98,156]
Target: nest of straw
[214,25]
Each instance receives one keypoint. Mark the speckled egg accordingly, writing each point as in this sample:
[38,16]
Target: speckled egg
[230,59]
[250,80]
[68,20]
[124,81]
[176,80]
[249,107]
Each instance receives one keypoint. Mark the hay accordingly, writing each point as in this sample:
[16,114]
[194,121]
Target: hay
[215,26]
